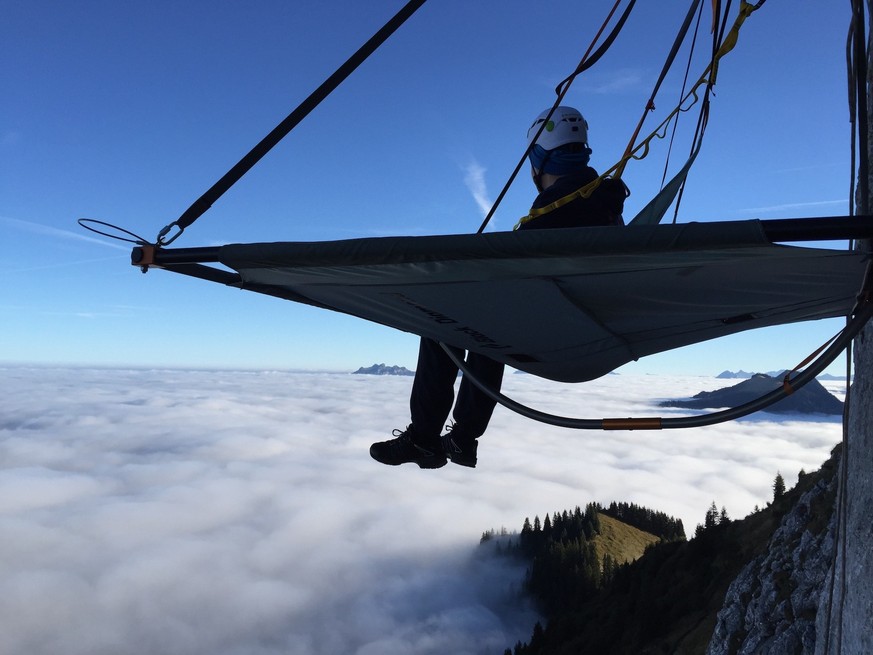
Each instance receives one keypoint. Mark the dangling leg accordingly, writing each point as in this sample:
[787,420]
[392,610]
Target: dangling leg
[473,410]
[429,404]
[433,390]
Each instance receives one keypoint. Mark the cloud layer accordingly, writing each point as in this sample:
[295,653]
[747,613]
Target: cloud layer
[215,512]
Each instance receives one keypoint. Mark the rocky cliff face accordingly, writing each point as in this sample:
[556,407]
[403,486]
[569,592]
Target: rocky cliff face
[803,597]
[771,607]
[851,632]
[844,621]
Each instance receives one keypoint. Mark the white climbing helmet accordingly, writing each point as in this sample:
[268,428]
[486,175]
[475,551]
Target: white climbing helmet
[565,126]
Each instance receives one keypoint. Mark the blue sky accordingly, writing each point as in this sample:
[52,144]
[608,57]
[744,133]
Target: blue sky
[127,112]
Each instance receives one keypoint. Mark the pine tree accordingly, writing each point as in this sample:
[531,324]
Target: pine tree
[778,487]
[608,567]
[711,518]
[592,516]
[538,637]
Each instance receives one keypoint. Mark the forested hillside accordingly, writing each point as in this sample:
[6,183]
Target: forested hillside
[622,579]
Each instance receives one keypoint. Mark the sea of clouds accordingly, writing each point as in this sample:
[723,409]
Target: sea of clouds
[189,512]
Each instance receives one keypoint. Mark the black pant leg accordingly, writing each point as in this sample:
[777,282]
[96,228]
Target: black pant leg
[433,389]
[474,408]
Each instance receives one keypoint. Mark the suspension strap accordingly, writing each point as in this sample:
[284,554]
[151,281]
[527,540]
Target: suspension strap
[650,105]
[858,100]
[588,61]
[641,151]
[681,178]
[835,348]
[708,78]
[787,381]
[205,201]
[561,90]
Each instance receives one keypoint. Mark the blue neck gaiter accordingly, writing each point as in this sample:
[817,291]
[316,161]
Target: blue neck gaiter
[558,161]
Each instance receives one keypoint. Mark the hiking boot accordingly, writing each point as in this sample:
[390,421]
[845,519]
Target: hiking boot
[408,447]
[458,448]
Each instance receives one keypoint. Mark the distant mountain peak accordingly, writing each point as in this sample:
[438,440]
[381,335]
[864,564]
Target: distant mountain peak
[810,399]
[744,375]
[383,369]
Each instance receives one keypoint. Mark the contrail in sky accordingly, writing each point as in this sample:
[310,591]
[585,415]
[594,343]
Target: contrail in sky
[796,205]
[39,228]
[474,178]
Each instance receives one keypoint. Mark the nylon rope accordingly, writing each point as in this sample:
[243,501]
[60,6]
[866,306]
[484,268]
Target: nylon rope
[718,28]
[842,340]
[682,92]
[787,378]
[668,64]
[856,67]
[858,318]
[204,202]
[840,521]
[853,146]
[641,151]
[721,47]
[860,58]
[561,91]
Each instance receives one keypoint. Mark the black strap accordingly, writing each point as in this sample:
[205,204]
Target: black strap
[588,62]
[859,57]
[561,90]
[205,201]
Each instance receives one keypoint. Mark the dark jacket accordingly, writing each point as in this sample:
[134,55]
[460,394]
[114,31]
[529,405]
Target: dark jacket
[603,207]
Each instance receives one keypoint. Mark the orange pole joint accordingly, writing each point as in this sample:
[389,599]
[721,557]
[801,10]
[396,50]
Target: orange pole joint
[653,423]
[143,256]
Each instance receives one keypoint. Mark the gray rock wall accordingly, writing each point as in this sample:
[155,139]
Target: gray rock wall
[850,612]
[771,607]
